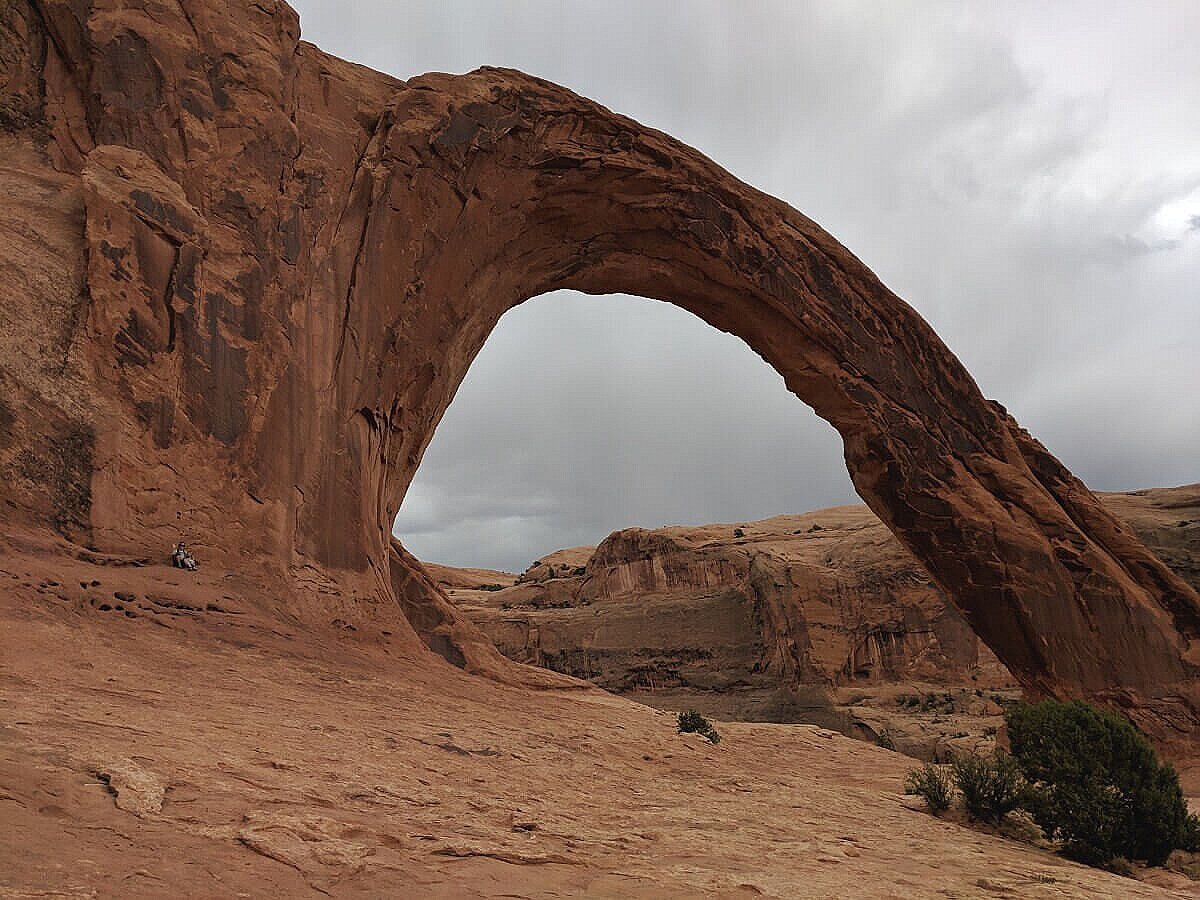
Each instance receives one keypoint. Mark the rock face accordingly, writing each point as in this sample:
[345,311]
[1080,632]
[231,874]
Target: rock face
[243,280]
[746,618]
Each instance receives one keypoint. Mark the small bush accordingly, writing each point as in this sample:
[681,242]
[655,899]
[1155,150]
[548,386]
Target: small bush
[1191,835]
[694,723]
[932,785]
[991,786]
[491,587]
[885,740]
[1119,865]
[1098,785]
[691,722]
[737,533]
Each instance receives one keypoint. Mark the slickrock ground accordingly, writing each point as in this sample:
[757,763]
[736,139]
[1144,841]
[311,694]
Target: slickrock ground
[180,742]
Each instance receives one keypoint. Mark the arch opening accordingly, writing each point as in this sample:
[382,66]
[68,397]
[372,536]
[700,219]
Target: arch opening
[562,194]
[584,415]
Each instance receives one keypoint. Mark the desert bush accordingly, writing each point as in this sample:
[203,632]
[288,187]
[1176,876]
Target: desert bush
[691,722]
[885,740]
[1191,835]
[991,786]
[1097,784]
[1119,865]
[931,784]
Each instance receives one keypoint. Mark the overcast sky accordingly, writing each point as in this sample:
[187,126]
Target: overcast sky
[1027,175]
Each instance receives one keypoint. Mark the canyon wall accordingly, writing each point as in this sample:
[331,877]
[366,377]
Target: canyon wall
[755,610]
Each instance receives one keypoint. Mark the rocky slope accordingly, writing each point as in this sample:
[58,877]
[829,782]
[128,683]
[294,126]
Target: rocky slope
[162,737]
[794,618]
[243,280]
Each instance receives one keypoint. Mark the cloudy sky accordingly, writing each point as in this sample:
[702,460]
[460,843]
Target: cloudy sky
[1026,174]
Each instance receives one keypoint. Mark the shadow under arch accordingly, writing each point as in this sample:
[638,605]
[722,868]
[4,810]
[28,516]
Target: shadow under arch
[528,188]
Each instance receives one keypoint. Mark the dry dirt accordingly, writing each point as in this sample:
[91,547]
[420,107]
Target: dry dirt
[182,742]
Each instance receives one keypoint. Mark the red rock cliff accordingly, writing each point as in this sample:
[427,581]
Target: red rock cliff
[827,598]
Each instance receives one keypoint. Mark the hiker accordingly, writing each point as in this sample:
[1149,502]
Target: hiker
[182,559]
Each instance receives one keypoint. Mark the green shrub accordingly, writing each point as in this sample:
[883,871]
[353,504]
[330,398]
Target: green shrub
[1191,835]
[691,722]
[1119,865]
[932,784]
[1097,784]
[991,786]
[885,740]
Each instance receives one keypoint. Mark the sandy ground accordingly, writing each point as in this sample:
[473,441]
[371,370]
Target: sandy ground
[154,750]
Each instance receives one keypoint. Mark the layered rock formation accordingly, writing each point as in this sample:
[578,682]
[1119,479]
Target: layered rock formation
[766,620]
[826,598]
[243,280]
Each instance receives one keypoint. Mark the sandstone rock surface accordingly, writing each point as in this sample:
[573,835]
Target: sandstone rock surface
[246,278]
[823,617]
[828,597]
[252,756]
[240,282]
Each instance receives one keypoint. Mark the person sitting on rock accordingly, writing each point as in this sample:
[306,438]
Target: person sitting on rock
[182,559]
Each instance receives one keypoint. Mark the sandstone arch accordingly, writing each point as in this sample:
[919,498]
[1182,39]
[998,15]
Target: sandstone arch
[289,262]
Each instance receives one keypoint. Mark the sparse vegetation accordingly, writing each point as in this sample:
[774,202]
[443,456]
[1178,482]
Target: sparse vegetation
[931,784]
[691,722]
[1119,865]
[1086,777]
[1097,784]
[737,533]
[885,740]
[992,786]
[931,702]
[491,587]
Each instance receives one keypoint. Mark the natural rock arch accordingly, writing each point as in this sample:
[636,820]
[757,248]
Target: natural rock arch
[289,263]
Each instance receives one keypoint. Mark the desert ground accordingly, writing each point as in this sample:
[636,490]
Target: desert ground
[163,736]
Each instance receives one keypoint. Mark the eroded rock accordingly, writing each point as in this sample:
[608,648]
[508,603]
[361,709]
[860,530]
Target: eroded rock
[268,270]
[134,788]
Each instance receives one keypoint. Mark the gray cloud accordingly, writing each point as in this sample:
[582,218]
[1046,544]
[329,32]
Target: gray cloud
[1024,181]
